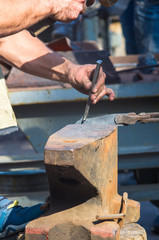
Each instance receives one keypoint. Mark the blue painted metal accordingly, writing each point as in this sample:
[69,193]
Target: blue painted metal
[91,29]
[34,96]
[143,192]
[139,161]
[22,172]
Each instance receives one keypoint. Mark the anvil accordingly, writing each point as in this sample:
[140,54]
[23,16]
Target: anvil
[82,167]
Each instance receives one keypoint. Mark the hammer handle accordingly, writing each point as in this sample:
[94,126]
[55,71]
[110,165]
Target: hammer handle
[41,26]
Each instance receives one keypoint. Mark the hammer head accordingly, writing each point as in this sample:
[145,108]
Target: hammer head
[108,3]
[105,3]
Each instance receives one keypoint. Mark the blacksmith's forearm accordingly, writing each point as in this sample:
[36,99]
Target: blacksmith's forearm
[31,55]
[21,14]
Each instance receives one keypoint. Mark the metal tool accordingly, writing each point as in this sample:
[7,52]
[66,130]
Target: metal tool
[124,119]
[95,77]
[138,68]
[132,118]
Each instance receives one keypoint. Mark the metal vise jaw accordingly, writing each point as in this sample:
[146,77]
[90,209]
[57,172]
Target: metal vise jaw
[82,166]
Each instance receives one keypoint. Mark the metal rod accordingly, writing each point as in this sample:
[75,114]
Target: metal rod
[138,68]
[111,216]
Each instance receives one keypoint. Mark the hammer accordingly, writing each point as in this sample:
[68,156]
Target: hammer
[41,26]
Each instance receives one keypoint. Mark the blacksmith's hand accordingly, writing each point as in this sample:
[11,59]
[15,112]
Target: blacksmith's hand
[67,10]
[80,77]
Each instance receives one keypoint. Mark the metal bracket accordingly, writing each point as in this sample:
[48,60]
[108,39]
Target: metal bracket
[120,217]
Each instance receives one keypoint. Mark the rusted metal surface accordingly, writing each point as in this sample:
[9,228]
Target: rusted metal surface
[128,59]
[65,44]
[127,73]
[81,165]
[138,77]
[62,44]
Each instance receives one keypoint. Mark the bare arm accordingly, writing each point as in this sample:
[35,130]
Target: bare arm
[17,15]
[30,55]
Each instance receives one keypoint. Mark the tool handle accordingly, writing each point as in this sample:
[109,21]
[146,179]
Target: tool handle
[41,26]
[95,75]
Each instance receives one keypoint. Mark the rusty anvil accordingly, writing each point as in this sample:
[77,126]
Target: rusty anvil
[82,167]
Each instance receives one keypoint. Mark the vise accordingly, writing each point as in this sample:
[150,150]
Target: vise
[82,168]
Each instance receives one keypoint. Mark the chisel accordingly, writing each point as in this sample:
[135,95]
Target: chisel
[94,80]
